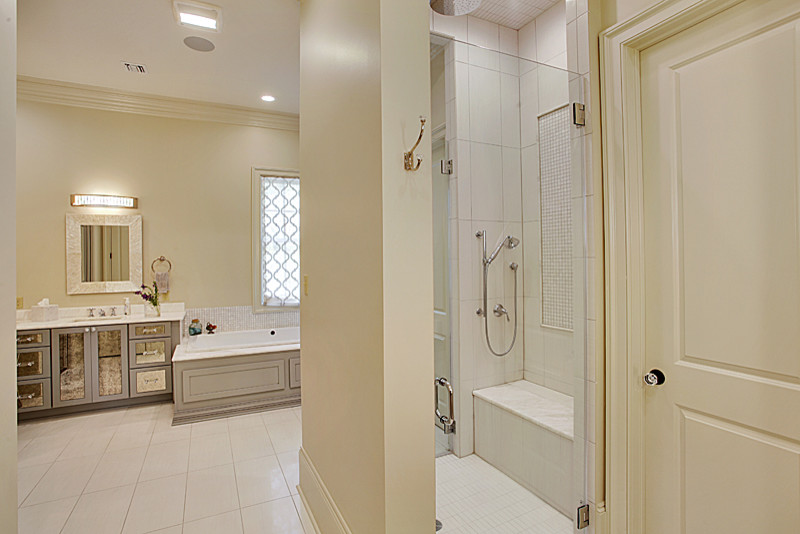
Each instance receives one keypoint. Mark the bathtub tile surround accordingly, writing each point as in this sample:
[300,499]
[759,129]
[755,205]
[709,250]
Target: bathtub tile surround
[237,318]
[151,485]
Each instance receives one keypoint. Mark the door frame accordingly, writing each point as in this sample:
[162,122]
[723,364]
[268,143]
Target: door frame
[620,48]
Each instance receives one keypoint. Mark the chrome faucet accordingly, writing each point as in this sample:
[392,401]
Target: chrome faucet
[113,311]
[91,312]
[102,312]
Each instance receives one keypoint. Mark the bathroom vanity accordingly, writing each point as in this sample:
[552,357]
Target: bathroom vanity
[76,364]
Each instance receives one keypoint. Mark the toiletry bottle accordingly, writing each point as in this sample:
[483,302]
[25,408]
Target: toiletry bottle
[127,306]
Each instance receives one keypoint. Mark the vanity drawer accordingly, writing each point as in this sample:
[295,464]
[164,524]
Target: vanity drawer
[141,330]
[33,338]
[33,363]
[33,395]
[150,352]
[151,381]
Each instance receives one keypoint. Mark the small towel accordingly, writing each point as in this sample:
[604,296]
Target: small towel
[162,279]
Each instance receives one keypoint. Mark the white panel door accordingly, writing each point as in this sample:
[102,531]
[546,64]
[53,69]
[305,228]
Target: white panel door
[721,153]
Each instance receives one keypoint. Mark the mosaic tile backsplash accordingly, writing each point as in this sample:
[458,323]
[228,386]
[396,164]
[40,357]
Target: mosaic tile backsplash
[237,318]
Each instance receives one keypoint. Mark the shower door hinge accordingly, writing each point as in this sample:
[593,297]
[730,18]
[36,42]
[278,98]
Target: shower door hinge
[447,166]
[583,516]
[578,114]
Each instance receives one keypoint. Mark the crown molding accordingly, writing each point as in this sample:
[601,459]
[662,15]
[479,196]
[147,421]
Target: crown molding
[91,97]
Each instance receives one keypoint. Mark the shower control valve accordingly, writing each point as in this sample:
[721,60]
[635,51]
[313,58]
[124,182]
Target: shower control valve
[500,310]
[479,312]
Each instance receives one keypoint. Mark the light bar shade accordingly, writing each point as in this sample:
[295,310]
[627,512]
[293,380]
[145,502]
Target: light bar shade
[104,201]
[198,20]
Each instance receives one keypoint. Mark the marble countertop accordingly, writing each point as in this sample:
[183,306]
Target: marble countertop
[70,322]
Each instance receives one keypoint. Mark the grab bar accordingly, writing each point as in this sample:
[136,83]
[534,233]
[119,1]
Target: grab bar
[449,423]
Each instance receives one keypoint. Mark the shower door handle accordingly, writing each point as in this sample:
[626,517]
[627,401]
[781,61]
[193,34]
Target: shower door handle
[448,422]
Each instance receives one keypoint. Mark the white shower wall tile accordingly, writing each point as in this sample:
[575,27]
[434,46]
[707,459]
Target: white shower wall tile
[512,186]
[530,183]
[481,57]
[509,41]
[237,318]
[487,179]
[509,105]
[483,33]
[484,106]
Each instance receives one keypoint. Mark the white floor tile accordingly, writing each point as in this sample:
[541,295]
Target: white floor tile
[274,517]
[101,512]
[156,504]
[42,450]
[250,443]
[130,437]
[210,492]
[117,468]
[27,478]
[291,469]
[305,519]
[285,436]
[87,443]
[279,416]
[260,480]
[66,478]
[165,459]
[171,433]
[47,518]
[208,428]
[245,422]
[209,451]
[227,523]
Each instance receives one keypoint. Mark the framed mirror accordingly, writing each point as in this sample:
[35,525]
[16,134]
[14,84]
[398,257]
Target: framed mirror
[104,253]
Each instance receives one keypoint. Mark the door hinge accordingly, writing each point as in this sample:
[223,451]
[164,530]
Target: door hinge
[583,516]
[578,114]
[447,166]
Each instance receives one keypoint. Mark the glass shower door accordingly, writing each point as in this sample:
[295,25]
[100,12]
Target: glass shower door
[445,426]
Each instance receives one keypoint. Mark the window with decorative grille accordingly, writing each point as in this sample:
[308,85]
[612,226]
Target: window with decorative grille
[279,243]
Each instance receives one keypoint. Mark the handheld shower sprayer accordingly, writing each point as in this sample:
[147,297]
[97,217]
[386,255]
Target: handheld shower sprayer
[511,243]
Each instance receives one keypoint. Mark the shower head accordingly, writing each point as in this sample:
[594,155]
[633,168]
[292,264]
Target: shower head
[510,241]
[454,7]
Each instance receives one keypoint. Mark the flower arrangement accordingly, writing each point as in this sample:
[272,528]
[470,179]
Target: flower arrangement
[150,296]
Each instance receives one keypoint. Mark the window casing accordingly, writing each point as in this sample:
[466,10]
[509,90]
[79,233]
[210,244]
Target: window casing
[276,239]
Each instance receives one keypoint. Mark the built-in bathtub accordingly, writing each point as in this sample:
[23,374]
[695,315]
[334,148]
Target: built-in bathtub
[231,373]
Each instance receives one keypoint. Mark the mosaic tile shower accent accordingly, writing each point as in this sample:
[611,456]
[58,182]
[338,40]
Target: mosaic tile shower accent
[556,212]
[238,318]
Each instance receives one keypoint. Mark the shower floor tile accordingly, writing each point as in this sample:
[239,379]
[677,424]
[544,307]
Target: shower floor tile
[472,497]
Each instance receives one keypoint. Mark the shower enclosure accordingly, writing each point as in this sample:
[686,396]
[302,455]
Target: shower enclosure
[510,269]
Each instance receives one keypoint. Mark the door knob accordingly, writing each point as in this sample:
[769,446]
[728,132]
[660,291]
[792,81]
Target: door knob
[654,378]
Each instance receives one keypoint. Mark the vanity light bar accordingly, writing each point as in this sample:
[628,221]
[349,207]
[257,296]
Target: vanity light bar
[104,201]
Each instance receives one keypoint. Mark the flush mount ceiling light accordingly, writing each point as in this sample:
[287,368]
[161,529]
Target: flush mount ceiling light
[197,15]
[268,98]
[104,201]
[198,43]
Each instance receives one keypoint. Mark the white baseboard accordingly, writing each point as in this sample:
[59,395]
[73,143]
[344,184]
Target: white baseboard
[320,506]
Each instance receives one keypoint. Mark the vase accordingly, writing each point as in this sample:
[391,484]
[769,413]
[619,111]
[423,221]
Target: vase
[152,311]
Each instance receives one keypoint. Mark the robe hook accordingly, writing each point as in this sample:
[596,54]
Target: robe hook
[409,156]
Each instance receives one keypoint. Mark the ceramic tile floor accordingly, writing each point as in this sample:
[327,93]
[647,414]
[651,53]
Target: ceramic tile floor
[472,497]
[129,471]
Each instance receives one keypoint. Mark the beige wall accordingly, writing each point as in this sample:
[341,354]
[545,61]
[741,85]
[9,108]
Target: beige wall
[367,251]
[8,389]
[192,179]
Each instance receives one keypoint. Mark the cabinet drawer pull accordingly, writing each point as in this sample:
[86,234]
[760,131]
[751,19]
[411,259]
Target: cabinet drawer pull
[28,339]
[29,364]
[151,353]
[26,397]
[150,380]
[149,330]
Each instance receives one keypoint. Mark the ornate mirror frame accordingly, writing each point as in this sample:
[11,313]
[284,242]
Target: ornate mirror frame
[74,284]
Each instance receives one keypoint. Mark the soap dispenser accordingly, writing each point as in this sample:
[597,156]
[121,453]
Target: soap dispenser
[127,306]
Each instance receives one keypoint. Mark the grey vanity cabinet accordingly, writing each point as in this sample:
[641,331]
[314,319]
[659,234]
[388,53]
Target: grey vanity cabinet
[89,364]
[71,367]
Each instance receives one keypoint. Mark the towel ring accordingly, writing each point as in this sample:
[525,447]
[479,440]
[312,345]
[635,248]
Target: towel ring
[159,260]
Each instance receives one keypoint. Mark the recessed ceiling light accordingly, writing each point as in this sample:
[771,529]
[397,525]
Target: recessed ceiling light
[197,15]
[268,98]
